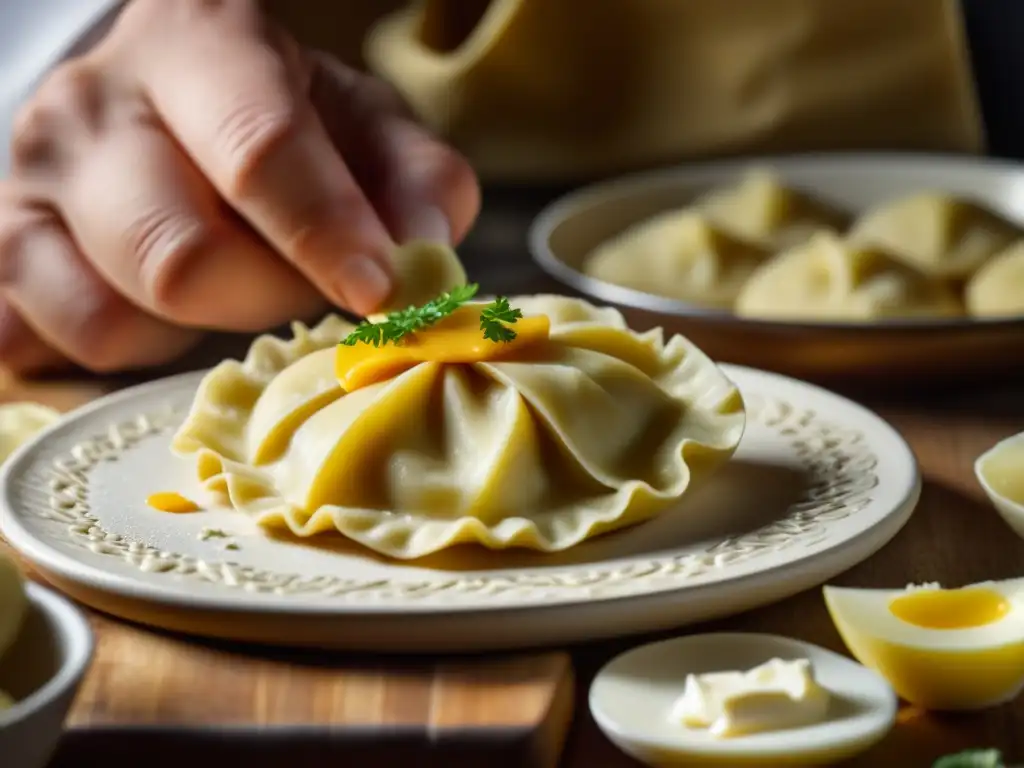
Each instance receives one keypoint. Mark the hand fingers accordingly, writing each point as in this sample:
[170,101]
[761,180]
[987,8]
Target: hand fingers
[21,350]
[420,187]
[163,238]
[48,282]
[242,114]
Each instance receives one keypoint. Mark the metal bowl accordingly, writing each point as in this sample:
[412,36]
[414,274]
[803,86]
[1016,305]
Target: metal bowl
[886,352]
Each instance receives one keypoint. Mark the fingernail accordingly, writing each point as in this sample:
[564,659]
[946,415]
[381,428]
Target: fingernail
[364,284]
[429,223]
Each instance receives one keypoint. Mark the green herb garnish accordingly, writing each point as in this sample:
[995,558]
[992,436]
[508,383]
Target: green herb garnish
[494,319]
[399,324]
[971,758]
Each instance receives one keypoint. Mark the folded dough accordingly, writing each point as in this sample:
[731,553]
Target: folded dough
[828,279]
[763,210]
[597,428]
[941,235]
[679,254]
[997,289]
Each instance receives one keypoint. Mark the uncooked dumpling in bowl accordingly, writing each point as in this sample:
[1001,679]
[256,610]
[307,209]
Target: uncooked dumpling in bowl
[575,427]
[941,235]
[680,255]
[827,279]
[997,289]
[763,210]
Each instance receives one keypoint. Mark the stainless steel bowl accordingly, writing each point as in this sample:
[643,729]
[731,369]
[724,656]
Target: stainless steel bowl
[883,353]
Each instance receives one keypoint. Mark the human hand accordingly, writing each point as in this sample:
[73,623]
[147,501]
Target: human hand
[199,170]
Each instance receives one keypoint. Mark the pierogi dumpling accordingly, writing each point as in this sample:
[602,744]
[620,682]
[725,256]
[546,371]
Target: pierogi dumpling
[587,428]
[763,210]
[997,289]
[941,235]
[830,280]
[680,255]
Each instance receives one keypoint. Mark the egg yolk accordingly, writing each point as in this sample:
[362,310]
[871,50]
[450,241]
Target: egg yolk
[172,502]
[456,339]
[950,608]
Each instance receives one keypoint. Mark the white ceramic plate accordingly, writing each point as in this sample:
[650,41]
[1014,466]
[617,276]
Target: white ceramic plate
[632,697]
[817,485]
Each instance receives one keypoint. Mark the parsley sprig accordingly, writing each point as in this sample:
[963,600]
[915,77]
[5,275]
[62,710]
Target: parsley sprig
[972,758]
[494,319]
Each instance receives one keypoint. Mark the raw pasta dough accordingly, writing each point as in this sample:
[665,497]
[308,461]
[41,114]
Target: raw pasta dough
[596,429]
[831,280]
[942,236]
[678,254]
[997,290]
[762,210]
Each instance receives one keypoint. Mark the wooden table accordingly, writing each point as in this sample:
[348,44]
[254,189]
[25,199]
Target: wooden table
[954,537]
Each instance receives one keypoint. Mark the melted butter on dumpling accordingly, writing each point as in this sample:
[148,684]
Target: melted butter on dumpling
[829,279]
[763,210]
[680,255]
[943,236]
[592,430]
[997,289]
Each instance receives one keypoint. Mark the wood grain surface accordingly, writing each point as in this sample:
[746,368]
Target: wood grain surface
[514,711]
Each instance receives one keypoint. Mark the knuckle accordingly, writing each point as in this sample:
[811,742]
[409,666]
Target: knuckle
[74,86]
[34,138]
[165,244]
[252,139]
[70,96]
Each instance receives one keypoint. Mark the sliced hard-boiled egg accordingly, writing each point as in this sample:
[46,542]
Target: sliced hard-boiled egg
[1000,471]
[944,649]
[637,701]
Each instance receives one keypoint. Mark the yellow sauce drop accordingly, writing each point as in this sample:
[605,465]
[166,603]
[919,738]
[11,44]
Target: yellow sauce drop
[172,502]
[950,608]
[456,339]
[1004,471]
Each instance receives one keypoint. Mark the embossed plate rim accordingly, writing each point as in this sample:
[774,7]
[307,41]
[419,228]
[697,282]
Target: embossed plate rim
[48,558]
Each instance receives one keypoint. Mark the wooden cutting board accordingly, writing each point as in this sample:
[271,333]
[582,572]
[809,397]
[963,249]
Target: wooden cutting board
[154,696]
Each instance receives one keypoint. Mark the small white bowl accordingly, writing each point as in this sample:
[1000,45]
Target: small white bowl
[1011,511]
[42,671]
[632,697]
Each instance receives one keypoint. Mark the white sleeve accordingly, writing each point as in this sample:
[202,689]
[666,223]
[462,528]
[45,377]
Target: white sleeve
[34,36]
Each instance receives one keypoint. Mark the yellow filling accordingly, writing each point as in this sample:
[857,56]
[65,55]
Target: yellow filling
[172,502]
[1004,471]
[456,339]
[950,608]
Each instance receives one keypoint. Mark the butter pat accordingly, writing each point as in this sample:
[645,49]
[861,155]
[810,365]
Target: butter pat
[774,696]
